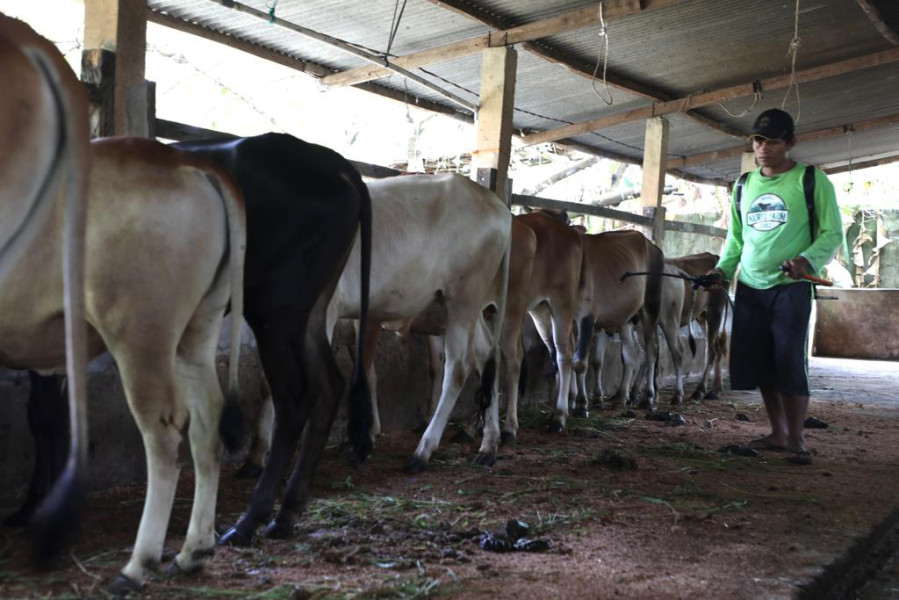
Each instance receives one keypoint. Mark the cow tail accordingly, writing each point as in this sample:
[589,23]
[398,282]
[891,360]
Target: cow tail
[56,519]
[361,416]
[688,310]
[490,382]
[722,331]
[232,424]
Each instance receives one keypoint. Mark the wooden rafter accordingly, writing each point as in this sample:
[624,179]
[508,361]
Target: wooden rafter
[877,19]
[551,54]
[809,136]
[862,164]
[706,98]
[568,21]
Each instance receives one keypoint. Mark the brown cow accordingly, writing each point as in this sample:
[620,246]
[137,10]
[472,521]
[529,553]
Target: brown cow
[605,301]
[552,297]
[676,312]
[44,136]
[519,299]
[710,309]
[159,221]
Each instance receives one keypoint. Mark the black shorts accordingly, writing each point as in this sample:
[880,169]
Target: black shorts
[769,339]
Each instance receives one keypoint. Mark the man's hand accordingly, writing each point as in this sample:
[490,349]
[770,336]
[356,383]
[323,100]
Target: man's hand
[796,268]
[711,279]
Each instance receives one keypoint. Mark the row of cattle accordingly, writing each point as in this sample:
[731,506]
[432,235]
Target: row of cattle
[286,235]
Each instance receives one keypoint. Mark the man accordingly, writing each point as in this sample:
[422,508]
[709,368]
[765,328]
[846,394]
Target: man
[784,224]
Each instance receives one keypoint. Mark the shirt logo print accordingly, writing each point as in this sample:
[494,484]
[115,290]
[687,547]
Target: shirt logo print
[767,212]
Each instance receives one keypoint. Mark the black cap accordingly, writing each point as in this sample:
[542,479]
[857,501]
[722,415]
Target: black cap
[773,124]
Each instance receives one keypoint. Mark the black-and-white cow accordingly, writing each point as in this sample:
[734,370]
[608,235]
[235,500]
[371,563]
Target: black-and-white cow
[305,204]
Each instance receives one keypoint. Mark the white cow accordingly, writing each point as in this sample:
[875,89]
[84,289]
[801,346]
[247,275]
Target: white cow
[164,256]
[437,239]
[43,146]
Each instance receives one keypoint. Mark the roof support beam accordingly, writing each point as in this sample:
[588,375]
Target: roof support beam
[655,163]
[119,26]
[704,99]
[809,136]
[881,25]
[567,21]
[494,122]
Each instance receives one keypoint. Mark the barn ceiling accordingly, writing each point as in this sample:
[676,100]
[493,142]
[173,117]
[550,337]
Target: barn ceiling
[711,66]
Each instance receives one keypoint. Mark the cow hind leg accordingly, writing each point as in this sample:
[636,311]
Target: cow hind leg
[458,338]
[561,328]
[150,387]
[597,357]
[281,359]
[324,395]
[202,395]
[670,329]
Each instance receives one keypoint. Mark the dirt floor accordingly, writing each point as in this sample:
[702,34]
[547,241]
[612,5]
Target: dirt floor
[631,508]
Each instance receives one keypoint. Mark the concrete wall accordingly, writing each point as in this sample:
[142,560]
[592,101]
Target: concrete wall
[859,323]
[116,450]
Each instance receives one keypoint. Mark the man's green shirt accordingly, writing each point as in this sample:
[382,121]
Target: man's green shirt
[774,227]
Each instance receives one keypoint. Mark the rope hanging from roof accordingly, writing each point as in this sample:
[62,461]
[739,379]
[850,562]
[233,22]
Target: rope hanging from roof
[271,11]
[394,25]
[756,96]
[604,56]
[793,51]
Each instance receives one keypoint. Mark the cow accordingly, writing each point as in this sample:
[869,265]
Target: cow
[44,137]
[305,206]
[165,239]
[553,295]
[710,310]
[606,301]
[421,264]
[523,251]
[676,312]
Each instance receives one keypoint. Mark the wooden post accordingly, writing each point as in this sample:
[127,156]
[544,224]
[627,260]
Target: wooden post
[655,163]
[494,145]
[115,40]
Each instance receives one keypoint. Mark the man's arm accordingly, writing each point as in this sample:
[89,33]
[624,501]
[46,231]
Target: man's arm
[829,234]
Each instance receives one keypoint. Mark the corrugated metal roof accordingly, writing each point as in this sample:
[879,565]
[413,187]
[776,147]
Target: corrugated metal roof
[676,51]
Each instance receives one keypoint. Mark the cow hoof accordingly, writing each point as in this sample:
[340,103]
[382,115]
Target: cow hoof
[555,426]
[279,530]
[580,412]
[711,396]
[248,470]
[235,537]
[508,439]
[462,437]
[485,459]
[122,586]
[416,466]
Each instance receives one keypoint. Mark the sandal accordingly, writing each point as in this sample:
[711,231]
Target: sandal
[764,443]
[799,457]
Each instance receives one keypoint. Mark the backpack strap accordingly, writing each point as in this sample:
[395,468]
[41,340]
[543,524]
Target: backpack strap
[739,197]
[808,185]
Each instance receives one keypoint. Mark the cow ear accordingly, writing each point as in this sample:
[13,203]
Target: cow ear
[565,216]
[527,210]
